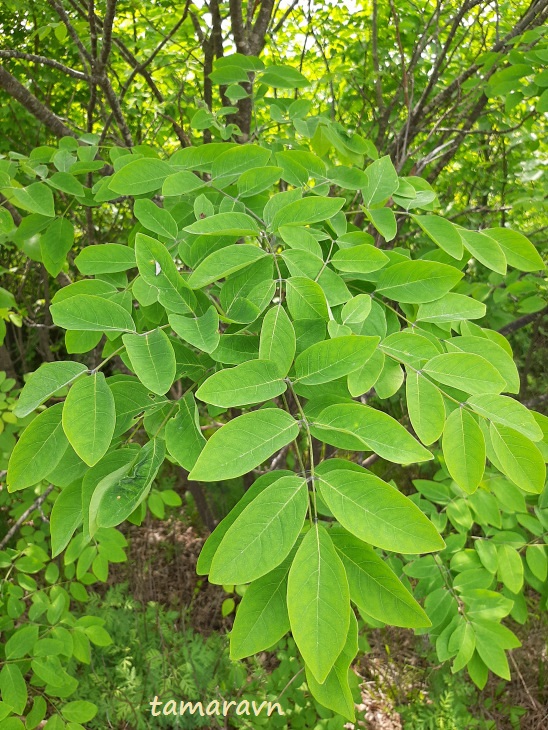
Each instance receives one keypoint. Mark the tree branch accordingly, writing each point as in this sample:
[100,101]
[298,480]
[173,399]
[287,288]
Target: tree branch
[107,34]
[237,24]
[258,35]
[41,112]
[518,324]
[45,62]
[26,514]
[61,12]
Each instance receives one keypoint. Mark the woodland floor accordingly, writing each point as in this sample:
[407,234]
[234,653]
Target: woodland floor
[161,568]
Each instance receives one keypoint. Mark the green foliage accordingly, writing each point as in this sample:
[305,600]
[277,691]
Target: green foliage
[253,323]
[191,304]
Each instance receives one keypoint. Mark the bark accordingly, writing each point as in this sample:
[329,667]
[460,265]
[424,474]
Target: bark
[41,112]
[518,324]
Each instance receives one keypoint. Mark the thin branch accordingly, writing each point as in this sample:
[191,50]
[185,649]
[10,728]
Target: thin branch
[44,62]
[26,514]
[375,54]
[258,34]
[521,322]
[279,25]
[61,12]
[41,112]
[107,34]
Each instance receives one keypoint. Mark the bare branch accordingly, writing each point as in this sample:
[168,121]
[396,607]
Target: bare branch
[521,322]
[44,62]
[237,24]
[41,112]
[26,514]
[107,34]
[61,12]
[258,35]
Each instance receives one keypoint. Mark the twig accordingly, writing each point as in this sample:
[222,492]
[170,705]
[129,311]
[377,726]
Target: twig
[35,505]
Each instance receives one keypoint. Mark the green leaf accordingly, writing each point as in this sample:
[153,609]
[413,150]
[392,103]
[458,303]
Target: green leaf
[224,224]
[234,349]
[250,382]
[357,427]
[359,259]
[518,250]
[377,513]
[50,670]
[464,449]
[14,688]
[79,711]
[91,495]
[243,444]
[537,561]
[283,77]
[409,348]
[214,540]
[318,602]
[485,249]
[356,310]
[262,618]
[305,299]
[180,183]
[256,181]
[312,209]
[374,587]
[498,357]
[89,417]
[155,219]
[466,371]
[91,313]
[226,261]
[442,232]
[508,412]
[297,237]
[384,221]
[131,398]
[158,270]
[331,359]
[123,491]
[201,332]
[37,713]
[510,568]
[152,359]
[40,448]
[263,534]
[228,75]
[144,175]
[184,439]
[277,340]
[335,692]
[233,162]
[55,243]
[6,222]
[66,517]
[415,282]
[491,653]
[36,198]
[21,642]
[45,382]
[382,181]
[108,258]
[425,407]
[463,640]
[519,458]
[450,308]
